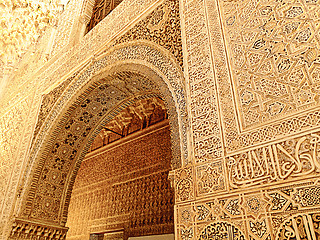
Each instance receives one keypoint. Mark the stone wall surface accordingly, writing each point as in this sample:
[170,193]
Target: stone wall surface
[248,109]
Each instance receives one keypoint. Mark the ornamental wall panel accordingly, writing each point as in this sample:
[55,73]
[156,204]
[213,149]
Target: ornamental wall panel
[247,108]
[264,58]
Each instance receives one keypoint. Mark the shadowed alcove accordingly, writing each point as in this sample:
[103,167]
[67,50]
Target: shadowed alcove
[122,188]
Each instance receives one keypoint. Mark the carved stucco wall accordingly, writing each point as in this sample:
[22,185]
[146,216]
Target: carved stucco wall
[19,105]
[123,185]
[251,81]
[262,57]
[22,99]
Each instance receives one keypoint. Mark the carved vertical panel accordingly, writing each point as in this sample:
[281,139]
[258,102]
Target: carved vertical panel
[16,129]
[67,24]
[204,109]
[184,184]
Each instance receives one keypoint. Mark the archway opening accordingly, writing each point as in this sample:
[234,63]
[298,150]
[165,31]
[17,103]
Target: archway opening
[122,190]
[88,101]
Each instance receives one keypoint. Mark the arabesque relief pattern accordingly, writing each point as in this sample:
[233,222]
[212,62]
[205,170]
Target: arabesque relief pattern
[255,214]
[143,54]
[264,184]
[66,26]
[54,71]
[162,26]
[251,92]
[48,102]
[141,115]
[205,123]
[44,202]
[273,49]
[58,161]
[64,57]
[238,134]
[10,135]
[30,230]
[300,226]
[101,9]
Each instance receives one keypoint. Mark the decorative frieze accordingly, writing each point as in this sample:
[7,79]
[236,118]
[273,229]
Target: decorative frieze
[289,160]
[22,229]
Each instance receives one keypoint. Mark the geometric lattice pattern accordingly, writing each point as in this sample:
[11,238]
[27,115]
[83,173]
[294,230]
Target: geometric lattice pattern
[274,51]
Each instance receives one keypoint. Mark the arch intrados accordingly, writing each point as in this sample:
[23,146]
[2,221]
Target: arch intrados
[152,61]
[90,138]
[109,76]
[159,80]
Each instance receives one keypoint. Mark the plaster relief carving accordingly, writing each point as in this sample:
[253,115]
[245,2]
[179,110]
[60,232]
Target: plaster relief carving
[221,230]
[100,10]
[274,52]
[162,26]
[286,160]
[245,18]
[210,178]
[301,226]
[80,124]
[29,230]
[240,79]
[184,184]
